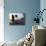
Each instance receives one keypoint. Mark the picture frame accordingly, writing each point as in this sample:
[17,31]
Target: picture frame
[17,18]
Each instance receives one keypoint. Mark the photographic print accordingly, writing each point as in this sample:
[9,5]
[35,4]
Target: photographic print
[16,18]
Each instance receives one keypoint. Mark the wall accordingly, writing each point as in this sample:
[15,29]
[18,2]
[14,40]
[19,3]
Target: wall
[1,21]
[14,33]
[43,6]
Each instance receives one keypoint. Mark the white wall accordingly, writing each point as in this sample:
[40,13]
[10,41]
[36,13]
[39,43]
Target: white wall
[43,6]
[1,21]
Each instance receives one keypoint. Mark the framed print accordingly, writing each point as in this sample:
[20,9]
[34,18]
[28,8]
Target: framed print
[16,18]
